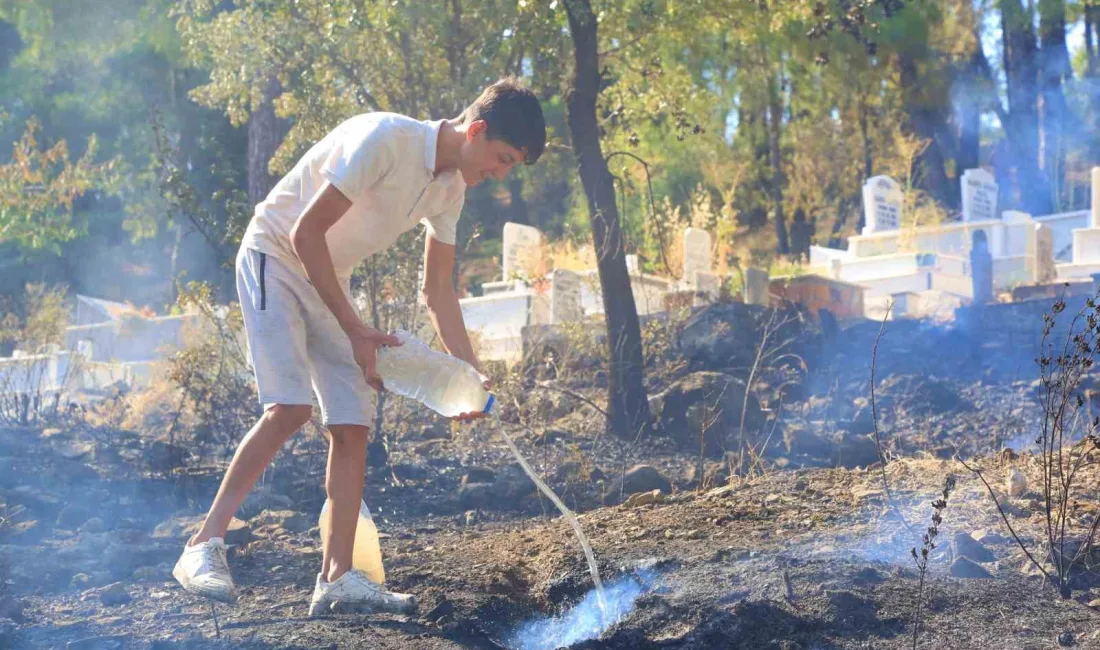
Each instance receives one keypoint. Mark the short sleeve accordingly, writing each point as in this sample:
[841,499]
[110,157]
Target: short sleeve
[359,158]
[443,227]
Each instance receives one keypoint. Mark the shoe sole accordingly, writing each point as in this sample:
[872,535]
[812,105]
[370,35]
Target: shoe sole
[229,598]
[325,607]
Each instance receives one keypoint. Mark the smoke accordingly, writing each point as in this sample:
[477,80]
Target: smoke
[585,620]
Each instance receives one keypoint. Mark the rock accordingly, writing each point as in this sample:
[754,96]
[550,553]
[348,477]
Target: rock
[922,395]
[721,335]
[411,472]
[114,594]
[1067,639]
[963,567]
[441,609]
[178,527]
[265,498]
[183,527]
[93,525]
[1015,482]
[158,573]
[857,451]
[479,475]
[512,483]
[1095,603]
[475,495]
[640,478]
[429,447]
[963,545]
[436,429]
[12,608]
[72,516]
[714,474]
[290,520]
[803,442]
[706,407]
[989,537]
[644,498]
[862,421]
[377,454]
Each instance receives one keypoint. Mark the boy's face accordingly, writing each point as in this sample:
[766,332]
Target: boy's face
[483,158]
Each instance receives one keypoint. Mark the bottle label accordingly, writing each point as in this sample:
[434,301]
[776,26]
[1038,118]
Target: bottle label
[489,404]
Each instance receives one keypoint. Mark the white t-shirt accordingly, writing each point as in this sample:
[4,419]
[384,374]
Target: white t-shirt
[384,164]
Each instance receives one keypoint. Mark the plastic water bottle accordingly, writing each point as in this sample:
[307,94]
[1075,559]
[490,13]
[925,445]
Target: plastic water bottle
[366,553]
[447,385]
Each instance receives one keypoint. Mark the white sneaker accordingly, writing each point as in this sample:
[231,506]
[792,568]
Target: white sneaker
[354,592]
[203,570]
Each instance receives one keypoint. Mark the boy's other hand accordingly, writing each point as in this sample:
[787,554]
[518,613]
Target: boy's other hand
[365,342]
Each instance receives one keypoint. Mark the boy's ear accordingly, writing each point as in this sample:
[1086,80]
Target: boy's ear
[477,127]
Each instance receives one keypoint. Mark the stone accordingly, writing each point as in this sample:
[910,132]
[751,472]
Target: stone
[882,201]
[565,297]
[265,498]
[178,527]
[703,409]
[411,472]
[289,520]
[965,568]
[644,499]
[1015,482]
[72,516]
[512,484]
[799,441]
[857,451]
[640,478]
[479,474]
[979,195]
[93,525]
[1067,639]
[963,545]
[429,447]
[697,254]
[377,454]
[721,335]
[521,248]
[981,269]
[114,594]
[476,495]
[757,288]
[989,537]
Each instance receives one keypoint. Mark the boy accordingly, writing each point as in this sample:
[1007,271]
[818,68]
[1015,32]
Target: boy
[353,193]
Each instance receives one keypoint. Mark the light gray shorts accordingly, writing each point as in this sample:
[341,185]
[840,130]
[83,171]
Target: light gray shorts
[296,346]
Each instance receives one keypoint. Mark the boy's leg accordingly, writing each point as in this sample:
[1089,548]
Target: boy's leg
[278,424]
[347,459]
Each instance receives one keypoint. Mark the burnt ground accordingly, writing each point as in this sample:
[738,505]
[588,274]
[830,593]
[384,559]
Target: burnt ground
[806,555]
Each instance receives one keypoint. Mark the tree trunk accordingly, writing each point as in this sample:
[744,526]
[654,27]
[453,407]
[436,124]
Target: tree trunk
[628,407]
[775,156]
[1021,72]
[265,133]
[924,120]
[968,113]
[1054,114]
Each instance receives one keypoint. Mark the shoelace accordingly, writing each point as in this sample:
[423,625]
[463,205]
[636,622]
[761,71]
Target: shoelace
[213,559]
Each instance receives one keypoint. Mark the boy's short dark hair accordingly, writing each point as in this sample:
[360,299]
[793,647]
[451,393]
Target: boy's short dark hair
[513,114]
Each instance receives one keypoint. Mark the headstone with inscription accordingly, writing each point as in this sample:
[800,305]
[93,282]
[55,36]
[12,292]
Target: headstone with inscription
[979,195]
[522,245]
[882,205]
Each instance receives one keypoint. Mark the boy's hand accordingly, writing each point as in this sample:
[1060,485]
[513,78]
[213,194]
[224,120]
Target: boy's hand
[487,384]
[365,342]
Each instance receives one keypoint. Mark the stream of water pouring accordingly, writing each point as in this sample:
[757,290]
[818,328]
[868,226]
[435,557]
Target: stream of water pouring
[592,568]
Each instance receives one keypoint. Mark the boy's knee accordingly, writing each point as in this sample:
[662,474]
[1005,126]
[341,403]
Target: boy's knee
[291,416]
[348,434]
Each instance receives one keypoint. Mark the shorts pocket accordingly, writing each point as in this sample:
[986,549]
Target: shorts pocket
[263,282]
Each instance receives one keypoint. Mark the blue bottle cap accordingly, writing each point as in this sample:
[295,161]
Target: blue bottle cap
[489,404]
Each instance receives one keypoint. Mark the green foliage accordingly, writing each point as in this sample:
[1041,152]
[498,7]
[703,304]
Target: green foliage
[38,187]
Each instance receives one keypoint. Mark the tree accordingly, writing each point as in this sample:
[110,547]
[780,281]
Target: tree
[628,407]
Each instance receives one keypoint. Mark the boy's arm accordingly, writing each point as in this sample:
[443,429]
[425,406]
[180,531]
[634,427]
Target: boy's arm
[442,300]
[308,239]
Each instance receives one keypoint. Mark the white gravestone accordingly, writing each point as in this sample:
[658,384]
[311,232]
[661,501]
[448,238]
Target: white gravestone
[756,287]
[882,205]
[632,267]
[979,195]
[565,297]
[521,249]
[1045,271]
[1094,213]
[697,254]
